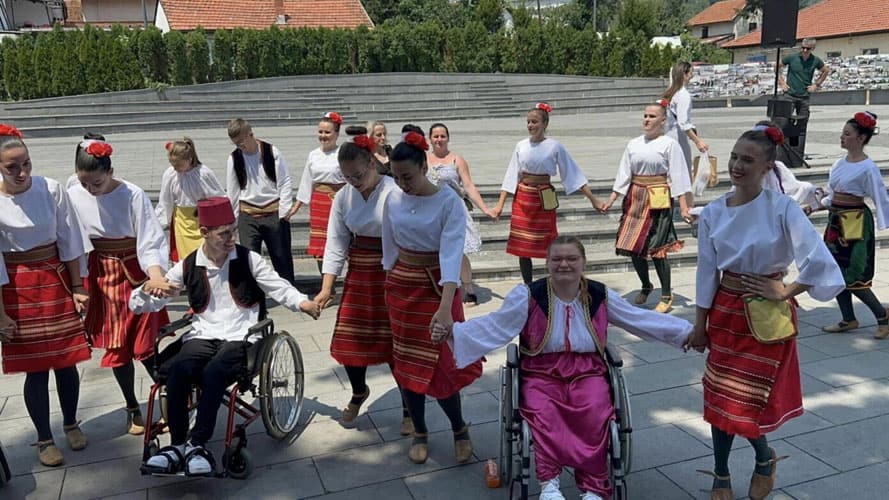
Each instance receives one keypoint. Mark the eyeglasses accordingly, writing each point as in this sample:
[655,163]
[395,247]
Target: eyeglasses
[807,49]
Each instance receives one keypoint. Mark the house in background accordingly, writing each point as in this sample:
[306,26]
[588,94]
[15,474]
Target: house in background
[842,28]
[722,22]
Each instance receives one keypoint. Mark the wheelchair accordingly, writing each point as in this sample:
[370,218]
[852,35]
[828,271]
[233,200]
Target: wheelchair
[515,434]
[278,363]
[5,474]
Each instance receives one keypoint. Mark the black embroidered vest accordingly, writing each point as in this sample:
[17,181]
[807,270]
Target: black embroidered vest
[266,157]
[244,289]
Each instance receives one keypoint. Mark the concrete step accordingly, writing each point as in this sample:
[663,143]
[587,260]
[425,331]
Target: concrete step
[223,114]
[304,103]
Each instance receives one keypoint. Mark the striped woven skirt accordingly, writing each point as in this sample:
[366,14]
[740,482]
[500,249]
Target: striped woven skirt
[644,231]
[531,228]
[362,336]
[185,233]
[855,258]
[413,296]
[319,213]
[38,298]
[113,274]
[750,388]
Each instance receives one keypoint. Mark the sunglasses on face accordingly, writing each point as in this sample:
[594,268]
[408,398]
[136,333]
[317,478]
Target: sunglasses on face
[807,49]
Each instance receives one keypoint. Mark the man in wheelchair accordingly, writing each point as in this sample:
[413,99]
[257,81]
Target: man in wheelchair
[562,321]
[226,286]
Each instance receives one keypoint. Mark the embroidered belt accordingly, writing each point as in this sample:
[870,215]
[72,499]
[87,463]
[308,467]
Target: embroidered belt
[114,245]
[323,187]
[846,200]
[649,180]
[419,259]
[257,211]
[732,281]
[366,243]
[36,254]
[534,180]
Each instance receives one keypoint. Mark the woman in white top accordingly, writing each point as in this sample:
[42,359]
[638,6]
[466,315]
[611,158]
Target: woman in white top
[43,249]
[679,125]
[532,224]
[447,168]
[129,247]
[185,182]
[423,231]
[850,228]
[652,173]
[746,315]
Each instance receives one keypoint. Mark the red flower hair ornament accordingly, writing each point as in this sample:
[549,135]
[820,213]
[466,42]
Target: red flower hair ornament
[662,103]
[168,146]
[775,135]
[416,140]
[334,117]
[97,149]
[9,131]
[542,106]
[865,119]
[365,142]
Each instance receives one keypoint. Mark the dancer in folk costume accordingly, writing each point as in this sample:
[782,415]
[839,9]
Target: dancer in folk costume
[183,184]
[447,168]
[534,161]
[423,231]
[321,179]
[850,227]
[652,173]
[258,185]
[129,246]
[362,336]
[44,252]
[746,315]
[562,322]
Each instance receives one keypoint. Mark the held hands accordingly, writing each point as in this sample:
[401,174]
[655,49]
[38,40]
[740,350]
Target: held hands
[441,325]
[697,339]
[7,328]
[440,333]
[324,299]
[160,288]
[311,308]
[605,206]
[81,299]
[764,287]
[495,213]
[492,213]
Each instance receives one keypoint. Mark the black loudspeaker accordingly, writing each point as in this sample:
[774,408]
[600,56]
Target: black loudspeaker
[779,23]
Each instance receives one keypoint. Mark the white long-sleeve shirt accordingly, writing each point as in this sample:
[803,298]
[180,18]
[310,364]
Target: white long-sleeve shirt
[763,236]
[352,214]
[40,216]
[125,212]
[474,338]
[862,178]
[434,223]
[660,156]
[547,157]
[321,168]
[185,189]
[260,190]
[223,319]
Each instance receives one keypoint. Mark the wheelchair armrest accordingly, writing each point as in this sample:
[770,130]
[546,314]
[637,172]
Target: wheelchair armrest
[170,329]
[512,356]
[613,356]
[262,329]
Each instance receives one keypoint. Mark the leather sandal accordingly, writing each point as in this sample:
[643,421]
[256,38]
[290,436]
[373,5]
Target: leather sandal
[760,485]
[135,424]
[882,330]
[350,412]
[642,297]
[665,304]
[419,451]
[407,426]
[49,454]
[462,445]
[842,326]
[76,438]
[719,493]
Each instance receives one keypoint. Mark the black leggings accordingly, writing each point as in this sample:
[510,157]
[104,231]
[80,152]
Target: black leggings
[866,295]
[722,447]
[661,267]
[527,269]
[416,405]
[37,398]
[358,380]
[126,380]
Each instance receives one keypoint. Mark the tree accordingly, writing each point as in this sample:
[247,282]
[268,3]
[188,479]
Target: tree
[223,56]
[198,55]
[10,67]
[67,71]
[40,64]
[153,59]
[177,53]
[490,14]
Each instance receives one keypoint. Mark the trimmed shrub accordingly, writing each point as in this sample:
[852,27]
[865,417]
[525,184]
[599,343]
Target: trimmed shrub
[198,55]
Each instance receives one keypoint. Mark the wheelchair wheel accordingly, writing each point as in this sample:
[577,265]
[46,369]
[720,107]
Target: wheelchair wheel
[5,474]
[625,422]
[506,434]
[281,384]
[239,465]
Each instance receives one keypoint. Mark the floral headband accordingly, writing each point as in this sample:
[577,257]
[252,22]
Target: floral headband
[416,140]
[866,119]
[542,106]
[334,117]
[9,131]
[97,149]
[774,134]
[365,142]
[662,103]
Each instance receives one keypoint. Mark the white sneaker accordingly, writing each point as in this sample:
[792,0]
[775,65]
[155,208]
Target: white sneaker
[589,495]
[550,490]
[196,464]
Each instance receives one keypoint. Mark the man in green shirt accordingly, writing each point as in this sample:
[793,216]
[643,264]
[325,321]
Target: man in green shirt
[798,84]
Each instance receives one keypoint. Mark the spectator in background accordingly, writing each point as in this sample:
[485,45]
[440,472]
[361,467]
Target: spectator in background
[798,84]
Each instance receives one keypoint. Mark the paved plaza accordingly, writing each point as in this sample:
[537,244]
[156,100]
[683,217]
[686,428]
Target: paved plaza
[838,449]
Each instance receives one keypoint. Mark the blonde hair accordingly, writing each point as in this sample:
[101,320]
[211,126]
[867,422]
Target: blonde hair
[238,126]
[371,126]
[183,149]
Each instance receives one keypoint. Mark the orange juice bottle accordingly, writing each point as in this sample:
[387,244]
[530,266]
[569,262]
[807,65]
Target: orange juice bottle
[492,474]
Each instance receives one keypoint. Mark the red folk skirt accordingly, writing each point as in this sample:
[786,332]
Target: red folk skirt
[319,213]
[362,336]
[413,295]
[645,231]
[50,334]
[113,274]
[750,388]
[531,228]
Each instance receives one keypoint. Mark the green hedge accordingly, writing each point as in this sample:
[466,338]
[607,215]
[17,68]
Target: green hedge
[91,60]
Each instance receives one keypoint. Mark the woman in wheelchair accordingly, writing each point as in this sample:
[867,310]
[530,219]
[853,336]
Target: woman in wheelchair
[226,285]
[562,322]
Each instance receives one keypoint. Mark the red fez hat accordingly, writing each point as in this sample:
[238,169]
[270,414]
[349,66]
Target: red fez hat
[215,211]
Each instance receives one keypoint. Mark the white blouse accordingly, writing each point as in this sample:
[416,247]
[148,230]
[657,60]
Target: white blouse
[862,178]
[802,192]
[125,212]
[352,214]
[763,236]
[184,189]
[547,157]
[474,338]
[679,112]
[321,167]
[660,156]
[260,190]
[434,223]
[40,216]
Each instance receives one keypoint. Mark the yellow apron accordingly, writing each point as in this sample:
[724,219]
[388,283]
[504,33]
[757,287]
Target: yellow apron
[187,230]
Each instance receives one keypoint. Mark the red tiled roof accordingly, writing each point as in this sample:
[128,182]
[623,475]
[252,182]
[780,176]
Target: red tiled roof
[830,19]
[184,15]
[719,12]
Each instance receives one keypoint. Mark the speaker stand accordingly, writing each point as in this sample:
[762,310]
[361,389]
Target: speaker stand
[792,155]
